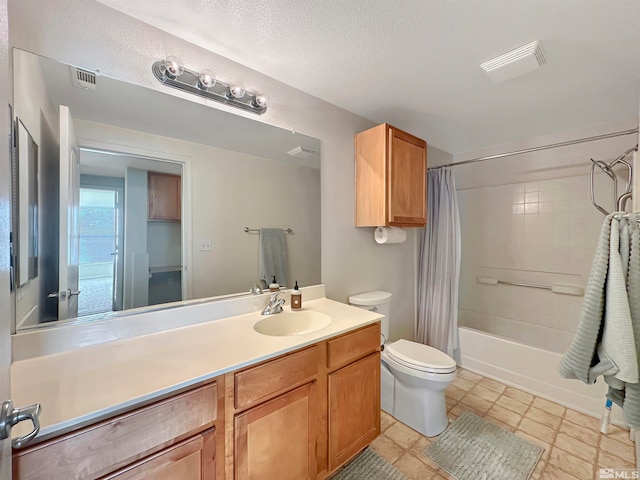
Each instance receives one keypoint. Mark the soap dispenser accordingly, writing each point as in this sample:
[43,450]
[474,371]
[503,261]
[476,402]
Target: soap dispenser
[296,298]
[274,287]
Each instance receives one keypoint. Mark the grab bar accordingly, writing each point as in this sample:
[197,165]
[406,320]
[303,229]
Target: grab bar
[555,288]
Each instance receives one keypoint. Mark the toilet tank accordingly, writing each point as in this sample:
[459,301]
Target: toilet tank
[378,302]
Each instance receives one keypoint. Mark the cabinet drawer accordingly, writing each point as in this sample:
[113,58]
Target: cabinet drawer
[99,449]
[191,459]
[352,346]
[257,383]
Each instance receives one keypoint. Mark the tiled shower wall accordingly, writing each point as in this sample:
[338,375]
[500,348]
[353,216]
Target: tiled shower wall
[542,231]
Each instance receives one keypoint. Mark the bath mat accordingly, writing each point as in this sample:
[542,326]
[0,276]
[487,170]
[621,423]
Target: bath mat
[475,449]
[368,465]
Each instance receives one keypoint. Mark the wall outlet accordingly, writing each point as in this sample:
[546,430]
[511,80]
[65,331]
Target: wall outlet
[205,245]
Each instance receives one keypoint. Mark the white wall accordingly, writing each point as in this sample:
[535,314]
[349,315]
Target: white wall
[529,219]
[136,257]
[94,36]
[33,107]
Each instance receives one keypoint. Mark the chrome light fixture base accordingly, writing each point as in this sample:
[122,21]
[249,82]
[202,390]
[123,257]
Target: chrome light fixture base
[189,81]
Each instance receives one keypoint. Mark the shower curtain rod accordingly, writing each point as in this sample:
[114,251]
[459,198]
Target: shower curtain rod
[542,147]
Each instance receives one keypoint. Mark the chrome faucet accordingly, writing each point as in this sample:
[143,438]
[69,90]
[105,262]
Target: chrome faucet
[274,306]
[255,290]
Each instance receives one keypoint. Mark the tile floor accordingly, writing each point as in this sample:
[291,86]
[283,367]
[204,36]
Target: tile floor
[573,446]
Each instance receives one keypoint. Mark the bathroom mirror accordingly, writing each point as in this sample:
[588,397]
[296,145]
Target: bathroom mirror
[26,185]
[143,197]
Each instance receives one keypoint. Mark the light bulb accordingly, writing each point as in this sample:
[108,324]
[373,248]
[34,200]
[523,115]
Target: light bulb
[206,79]
[173,67]
[261,100]
[236,90]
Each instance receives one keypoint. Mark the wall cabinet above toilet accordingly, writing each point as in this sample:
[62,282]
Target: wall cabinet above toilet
[390,178]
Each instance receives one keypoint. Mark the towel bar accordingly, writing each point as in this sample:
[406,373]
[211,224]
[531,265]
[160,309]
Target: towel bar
[257,230]
[561,289]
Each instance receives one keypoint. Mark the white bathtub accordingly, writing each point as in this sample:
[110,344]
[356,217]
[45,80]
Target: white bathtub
[530,369]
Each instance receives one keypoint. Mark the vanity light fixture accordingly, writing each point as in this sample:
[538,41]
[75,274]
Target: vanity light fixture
[171,72]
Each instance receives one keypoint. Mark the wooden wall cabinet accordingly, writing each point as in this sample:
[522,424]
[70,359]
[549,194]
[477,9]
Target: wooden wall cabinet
[391,170]
[165,196]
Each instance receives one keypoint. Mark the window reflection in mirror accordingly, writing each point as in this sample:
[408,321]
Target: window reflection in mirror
[137,248]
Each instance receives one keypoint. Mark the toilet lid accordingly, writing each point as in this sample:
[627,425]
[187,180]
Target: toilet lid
[421,357]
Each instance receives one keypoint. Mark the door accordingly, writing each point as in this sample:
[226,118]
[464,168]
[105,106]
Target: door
[354,408]
[277,439]
[69,255]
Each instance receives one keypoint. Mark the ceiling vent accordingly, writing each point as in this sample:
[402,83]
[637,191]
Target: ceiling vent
[517,62]
[302,152]
[83,79]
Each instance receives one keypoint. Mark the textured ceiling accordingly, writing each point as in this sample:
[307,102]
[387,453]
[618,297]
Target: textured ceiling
[415,63]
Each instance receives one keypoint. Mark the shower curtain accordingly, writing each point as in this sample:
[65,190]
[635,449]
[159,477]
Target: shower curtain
[439,270]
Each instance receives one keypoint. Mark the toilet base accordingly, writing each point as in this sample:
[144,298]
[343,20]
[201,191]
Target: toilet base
[423,410]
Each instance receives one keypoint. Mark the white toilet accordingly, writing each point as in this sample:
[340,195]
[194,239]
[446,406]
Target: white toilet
[413,376]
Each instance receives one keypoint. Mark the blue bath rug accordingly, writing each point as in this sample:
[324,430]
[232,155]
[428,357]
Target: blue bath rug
[475,449]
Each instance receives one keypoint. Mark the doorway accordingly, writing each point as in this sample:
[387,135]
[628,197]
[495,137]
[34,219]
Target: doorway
[100,231]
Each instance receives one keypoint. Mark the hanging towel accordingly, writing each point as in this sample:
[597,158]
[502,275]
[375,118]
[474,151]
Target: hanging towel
[273,256]
[618,342]
[629,397]
[581,361]
[615,273]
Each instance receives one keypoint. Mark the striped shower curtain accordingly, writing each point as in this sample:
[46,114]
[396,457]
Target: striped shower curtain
[437,323]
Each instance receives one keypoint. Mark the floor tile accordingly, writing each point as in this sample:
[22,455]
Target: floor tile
[413,468]
[386,420]
[619,449]
[518,395]
[463,384]
[402,435]
[476,402]
[606,460]
[512,404]
[485,393]
[545,418]
[548,406]
[571,464]
[536,429]
[455,392]
[507,416]
[461,407]
[585,435]
[493,385]
[551,472]
[582,420]
[467,375]
[620,434]
[387,448]
[575,447]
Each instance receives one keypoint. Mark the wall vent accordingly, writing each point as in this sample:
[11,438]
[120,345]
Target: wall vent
[517,62]
[83,78]
[302,152]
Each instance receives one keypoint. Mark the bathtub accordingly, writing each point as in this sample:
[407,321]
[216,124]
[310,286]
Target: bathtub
[531,369]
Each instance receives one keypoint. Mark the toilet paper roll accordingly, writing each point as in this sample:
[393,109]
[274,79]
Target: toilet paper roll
[385,235]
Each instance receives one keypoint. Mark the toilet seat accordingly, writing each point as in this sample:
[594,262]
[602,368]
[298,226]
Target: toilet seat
[421,357]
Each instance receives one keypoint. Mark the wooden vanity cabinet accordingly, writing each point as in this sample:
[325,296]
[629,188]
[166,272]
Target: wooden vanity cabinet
[390,186]
[165,196]
[174,438]
[353,393]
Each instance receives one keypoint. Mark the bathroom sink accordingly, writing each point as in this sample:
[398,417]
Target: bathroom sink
[292,323]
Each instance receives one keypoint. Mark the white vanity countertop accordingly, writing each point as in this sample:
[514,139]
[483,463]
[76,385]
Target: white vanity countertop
[82,386]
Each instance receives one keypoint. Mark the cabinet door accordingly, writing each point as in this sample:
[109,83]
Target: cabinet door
[354,408]
[406,180]
[189,460]
[277,440]
[165,194]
